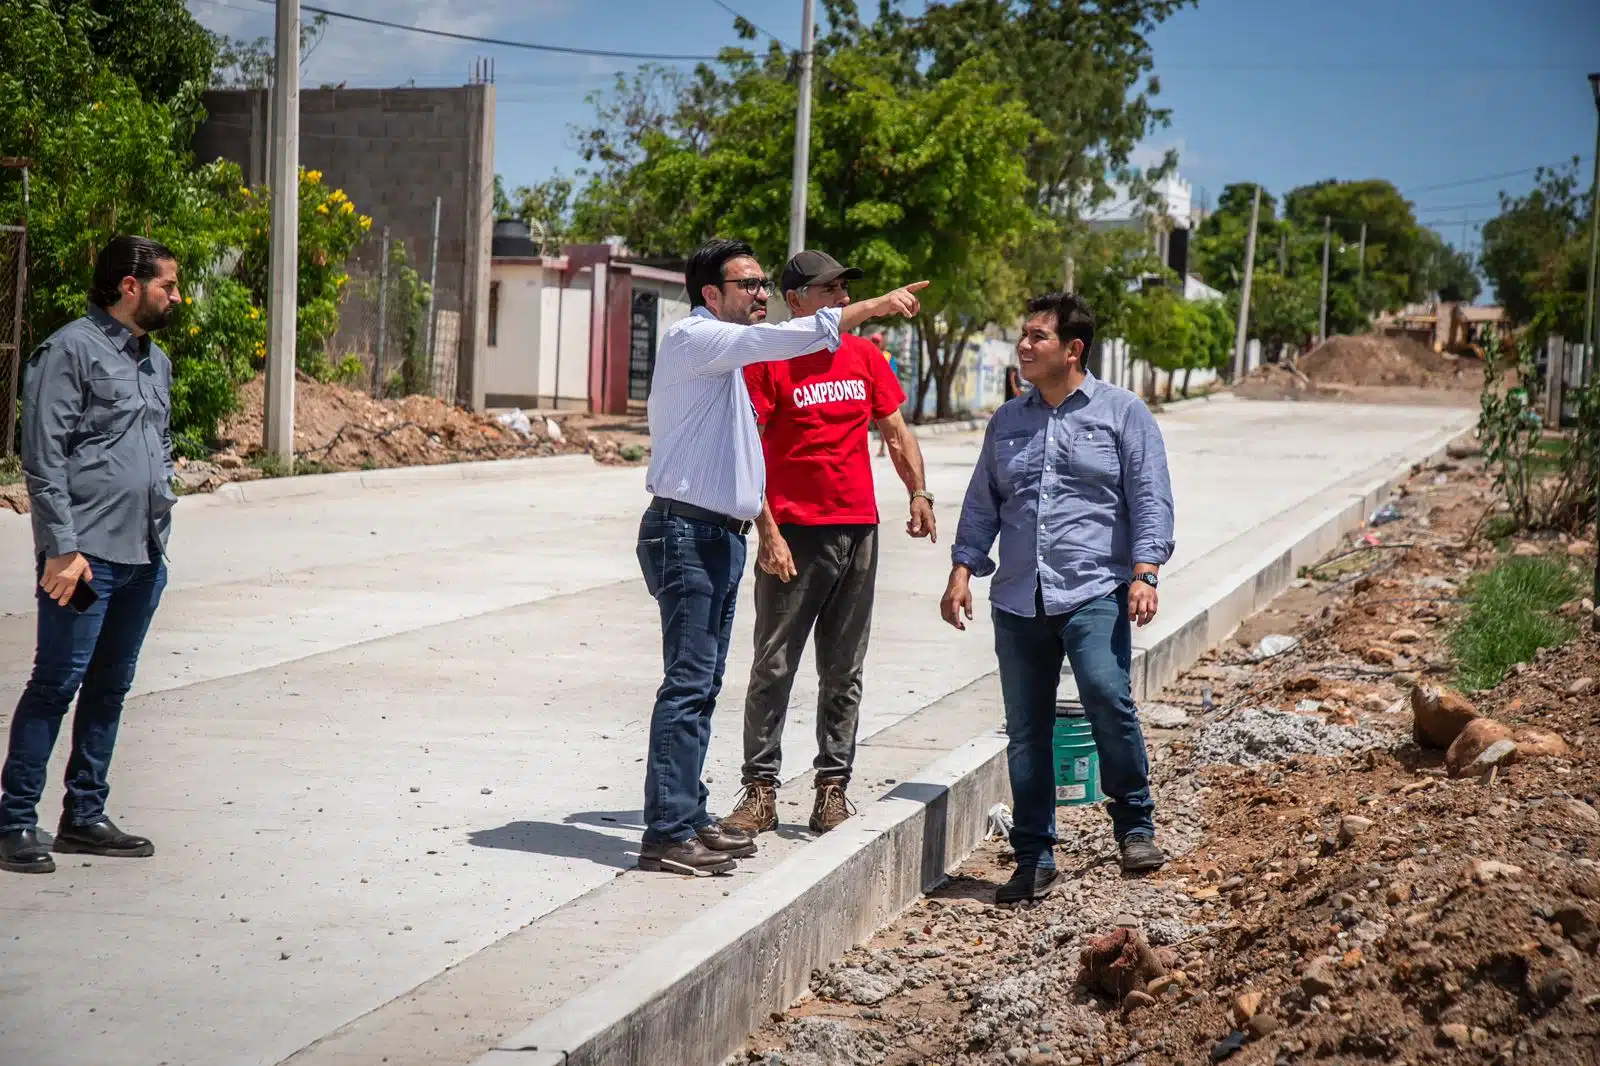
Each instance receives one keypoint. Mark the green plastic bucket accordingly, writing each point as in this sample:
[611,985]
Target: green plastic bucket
[1076,759]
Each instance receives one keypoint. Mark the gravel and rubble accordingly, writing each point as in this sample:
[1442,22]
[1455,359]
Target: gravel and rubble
[1335,895]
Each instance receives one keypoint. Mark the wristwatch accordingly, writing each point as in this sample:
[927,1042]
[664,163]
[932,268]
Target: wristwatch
[923,494]
[1148,579]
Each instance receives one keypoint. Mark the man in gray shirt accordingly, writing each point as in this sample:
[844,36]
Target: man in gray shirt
[97,457]
[1073,480]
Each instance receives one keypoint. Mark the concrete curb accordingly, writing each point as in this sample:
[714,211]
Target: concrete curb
[354,481]
[692,998]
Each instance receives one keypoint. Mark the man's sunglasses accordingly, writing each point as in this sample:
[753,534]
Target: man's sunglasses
[752,286]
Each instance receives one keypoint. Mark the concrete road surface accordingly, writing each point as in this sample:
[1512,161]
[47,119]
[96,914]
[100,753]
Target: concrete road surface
[376,732]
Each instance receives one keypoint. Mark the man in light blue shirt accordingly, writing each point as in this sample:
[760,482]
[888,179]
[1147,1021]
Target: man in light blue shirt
[1073,480]
[706,480]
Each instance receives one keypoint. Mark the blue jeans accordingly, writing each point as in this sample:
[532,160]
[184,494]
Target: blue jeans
[692,569]
[91,656]
[1097,639]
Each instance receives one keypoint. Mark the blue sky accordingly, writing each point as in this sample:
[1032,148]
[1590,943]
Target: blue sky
[1422,92]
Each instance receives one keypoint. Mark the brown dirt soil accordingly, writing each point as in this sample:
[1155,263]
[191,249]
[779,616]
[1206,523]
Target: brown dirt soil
[1369,369]
[345,429]
[1318,909]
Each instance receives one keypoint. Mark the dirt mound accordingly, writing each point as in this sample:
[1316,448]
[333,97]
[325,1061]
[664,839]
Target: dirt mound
[1373,360]
[337,428]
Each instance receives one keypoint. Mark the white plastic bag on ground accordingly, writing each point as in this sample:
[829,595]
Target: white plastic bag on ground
[999,822]
[1273,645]
[552,429]
[516,421]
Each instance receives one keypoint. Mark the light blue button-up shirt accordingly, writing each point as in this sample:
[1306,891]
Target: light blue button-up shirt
[1077,495]
[705,449]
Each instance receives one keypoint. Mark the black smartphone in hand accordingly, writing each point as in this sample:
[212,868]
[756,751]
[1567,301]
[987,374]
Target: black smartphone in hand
[83,597]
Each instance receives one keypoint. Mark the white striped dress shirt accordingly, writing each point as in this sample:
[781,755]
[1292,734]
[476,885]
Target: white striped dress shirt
[705,448]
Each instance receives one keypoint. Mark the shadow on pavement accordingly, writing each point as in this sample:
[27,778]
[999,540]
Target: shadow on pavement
[560,840]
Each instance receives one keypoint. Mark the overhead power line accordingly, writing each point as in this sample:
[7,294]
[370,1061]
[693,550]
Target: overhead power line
[1489,177]
[500,42]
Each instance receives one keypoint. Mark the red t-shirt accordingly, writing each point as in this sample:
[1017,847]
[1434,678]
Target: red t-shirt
[815,410]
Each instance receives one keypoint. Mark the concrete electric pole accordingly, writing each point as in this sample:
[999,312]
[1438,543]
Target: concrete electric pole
[1322,321]
[1244,293]
[802,137]
[283,266]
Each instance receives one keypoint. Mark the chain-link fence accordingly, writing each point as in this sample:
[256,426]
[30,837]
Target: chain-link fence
[385,321]
[13,276]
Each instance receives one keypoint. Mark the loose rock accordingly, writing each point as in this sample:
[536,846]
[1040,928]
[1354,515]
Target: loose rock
[1352,826]
[1319,978]
[1487,871]
[1474,740]
[1439,715]
[1580,687]
[1540,743]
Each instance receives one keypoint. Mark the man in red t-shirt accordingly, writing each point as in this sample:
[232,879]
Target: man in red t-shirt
[818,560]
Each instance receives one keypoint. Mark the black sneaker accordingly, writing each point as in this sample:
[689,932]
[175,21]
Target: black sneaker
[1140,855]
[1029,882]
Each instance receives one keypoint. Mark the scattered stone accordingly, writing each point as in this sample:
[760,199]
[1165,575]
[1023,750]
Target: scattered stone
[1578,927]
[227,460]
[1540,743]
[1580,687]
[1579,548]
[1527,549]
[1172,982]
[1399,893]
[1479,735]
[1164,716]
[852,984]
[1136,1000]
[1263,1025]
[1405,636]
[1463,449]
[1352,826]
[1254,736]
[1378,655]
[1439,715]
[1500,753]
[1245,1007]
[1585,813]
[1487,871]
[1319,978]
[1455,1034]
[1374,703]
[1556,986]
[830,1042]
[1303,683]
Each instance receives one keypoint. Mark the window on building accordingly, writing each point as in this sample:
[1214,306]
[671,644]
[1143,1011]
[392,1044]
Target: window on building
[494,313]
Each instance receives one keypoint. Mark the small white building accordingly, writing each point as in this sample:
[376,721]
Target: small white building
[552,345]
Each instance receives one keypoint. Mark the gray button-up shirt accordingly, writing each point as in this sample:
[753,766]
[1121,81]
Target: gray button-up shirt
[1077,494]
[96,445]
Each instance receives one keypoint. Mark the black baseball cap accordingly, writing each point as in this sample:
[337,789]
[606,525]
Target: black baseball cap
[814,268]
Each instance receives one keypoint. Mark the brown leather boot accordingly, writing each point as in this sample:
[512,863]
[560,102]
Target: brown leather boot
[832,806]
[756,811]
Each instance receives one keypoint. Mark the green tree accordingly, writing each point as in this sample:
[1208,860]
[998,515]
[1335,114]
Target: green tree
[1535,252]
[1216,250]
[249,64]
[1449,272]
[1283,311]
[1159,332]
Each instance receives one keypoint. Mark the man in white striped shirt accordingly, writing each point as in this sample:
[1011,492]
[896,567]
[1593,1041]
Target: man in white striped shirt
[707,476]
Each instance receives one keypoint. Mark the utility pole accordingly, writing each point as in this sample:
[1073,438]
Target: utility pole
[802,137]
[433,288]
[283,267]
[383,318]
[1362,274]
[1327,238]
[1591,339]
[1244,294]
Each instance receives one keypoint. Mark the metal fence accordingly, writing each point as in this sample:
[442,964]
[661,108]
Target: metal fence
[13,279]
[406,343]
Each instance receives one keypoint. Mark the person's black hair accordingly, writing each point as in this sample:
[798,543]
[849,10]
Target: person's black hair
[705,265]
[125,257]
[1074,320]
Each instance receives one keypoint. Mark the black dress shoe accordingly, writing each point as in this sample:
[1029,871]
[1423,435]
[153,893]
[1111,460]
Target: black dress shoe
[734,843]
[101,838]
[21,852]
[690,857]
[1029,882]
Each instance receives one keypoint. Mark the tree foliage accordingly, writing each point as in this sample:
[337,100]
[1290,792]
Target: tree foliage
[1536,252]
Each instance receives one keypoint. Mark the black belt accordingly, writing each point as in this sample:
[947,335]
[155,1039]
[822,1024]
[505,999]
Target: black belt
[700,514]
